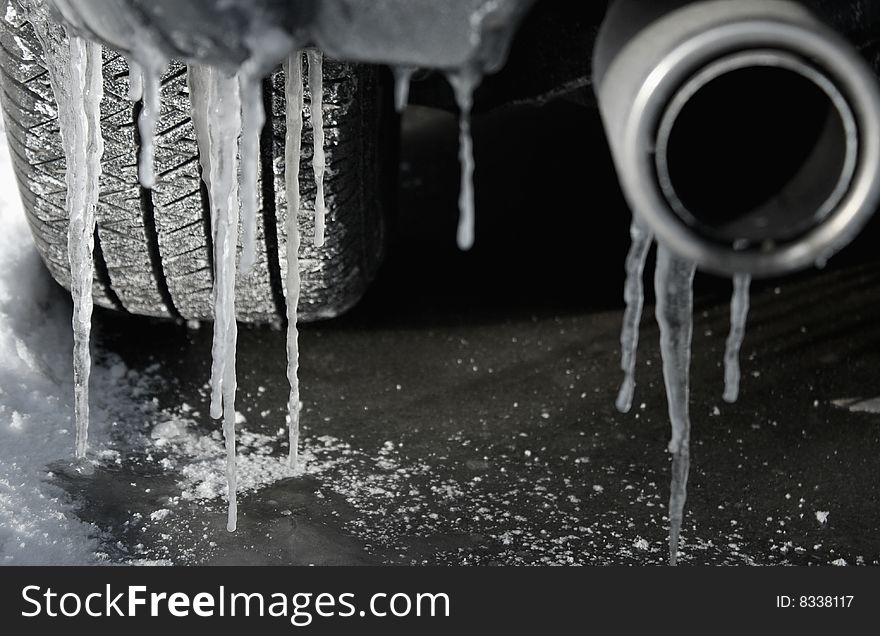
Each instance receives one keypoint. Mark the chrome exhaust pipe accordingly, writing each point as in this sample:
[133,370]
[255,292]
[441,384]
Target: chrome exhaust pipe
[746,133]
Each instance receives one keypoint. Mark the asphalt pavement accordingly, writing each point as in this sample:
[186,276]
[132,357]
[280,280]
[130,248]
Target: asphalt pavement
[463,412]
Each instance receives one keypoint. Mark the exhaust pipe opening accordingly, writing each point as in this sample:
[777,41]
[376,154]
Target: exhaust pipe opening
[746,133]
[777,158]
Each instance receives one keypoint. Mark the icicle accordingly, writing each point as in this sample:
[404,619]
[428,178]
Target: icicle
[253,119]
[402,77]
[293,151]
[135,81]
[268,44]
[634,295]
[151,73]
[739,313]
[464,82]
[75,72]
[217,121]
[675,301]
[316,88]
[83,175]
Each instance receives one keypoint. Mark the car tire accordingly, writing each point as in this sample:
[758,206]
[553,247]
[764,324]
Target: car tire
[153,250]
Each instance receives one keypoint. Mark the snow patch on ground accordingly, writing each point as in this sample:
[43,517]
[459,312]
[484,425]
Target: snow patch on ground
[36,390]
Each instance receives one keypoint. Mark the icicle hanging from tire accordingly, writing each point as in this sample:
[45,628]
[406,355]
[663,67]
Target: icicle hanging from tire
[75,73]
[253,117]
[464,82]
[402,78]
[151,67]
[316,90]
[739,312]
[135,81]
[292,154]
[634,295]
[673,283]
[216,115]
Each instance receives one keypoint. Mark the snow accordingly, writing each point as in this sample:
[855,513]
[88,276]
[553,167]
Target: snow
[36,408]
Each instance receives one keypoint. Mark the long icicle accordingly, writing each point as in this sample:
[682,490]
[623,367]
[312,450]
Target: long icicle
[75,72]
[216,110]
[84,172]
[673,283]
[293,152]
[739,313]
[464,82]
[319,161]
[634,295]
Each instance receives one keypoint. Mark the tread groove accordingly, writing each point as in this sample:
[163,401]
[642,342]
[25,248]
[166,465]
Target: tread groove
[152,235]
[103,274]
[270,214]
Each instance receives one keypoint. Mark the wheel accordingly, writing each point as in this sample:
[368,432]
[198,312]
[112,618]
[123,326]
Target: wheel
[153,248]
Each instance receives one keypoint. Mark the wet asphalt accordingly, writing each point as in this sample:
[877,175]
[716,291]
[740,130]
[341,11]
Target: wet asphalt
[463,412]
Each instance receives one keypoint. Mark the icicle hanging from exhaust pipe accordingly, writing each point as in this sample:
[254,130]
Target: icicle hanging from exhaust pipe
[464,81]
[293,152]
[739,312]
[634,295]
[673,282]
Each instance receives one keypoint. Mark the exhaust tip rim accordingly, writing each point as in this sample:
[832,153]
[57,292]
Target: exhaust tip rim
[764,60]
[823,49]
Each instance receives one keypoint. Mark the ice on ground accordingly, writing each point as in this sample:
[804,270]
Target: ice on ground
[859,405]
